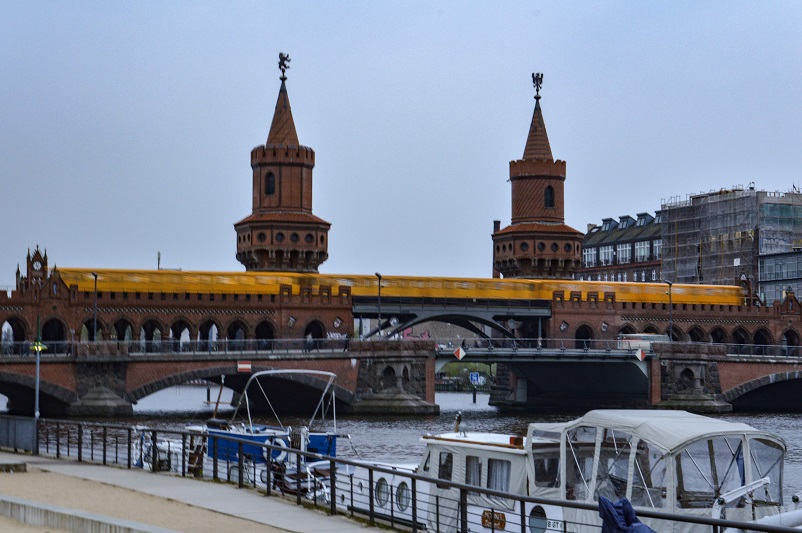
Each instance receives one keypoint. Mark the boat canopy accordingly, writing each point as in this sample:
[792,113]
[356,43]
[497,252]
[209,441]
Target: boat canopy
[669,430]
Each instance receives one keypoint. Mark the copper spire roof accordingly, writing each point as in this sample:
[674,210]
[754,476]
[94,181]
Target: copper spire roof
[537,144]
[282,130]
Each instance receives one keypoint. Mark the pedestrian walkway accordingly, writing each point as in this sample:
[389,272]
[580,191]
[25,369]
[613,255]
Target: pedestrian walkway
[217,497]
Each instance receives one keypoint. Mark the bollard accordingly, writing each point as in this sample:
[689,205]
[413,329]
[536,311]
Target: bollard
[474,394]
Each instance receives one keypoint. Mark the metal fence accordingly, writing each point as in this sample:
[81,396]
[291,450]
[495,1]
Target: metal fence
[380,494]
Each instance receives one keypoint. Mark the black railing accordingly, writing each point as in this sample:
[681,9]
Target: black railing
[236,348]
[395,497]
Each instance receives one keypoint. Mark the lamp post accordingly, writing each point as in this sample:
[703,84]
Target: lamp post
[94,314]
[37,347]
[670,312]
[379,276]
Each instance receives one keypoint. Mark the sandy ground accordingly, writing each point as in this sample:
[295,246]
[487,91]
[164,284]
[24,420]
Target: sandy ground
[117,502]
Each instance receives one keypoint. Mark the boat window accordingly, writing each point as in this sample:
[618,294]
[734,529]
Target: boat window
[473,471]
[707,469]
[498,474]
[649,477]
[767,461]
[580,444]
[446,467]
[547,466]
[426,462]
[612,476]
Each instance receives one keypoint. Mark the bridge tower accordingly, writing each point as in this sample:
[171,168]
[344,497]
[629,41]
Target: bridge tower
[538,243]
[281,233]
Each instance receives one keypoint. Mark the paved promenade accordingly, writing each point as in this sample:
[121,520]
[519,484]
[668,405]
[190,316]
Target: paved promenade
[141,501]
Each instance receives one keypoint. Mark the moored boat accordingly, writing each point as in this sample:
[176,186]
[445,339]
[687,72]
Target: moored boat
[670,462]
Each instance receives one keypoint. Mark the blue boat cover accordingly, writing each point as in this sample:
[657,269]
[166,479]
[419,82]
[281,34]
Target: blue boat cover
[620,517]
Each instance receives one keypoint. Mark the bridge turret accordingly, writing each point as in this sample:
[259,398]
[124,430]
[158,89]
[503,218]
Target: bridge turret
[538,243]
[282,233]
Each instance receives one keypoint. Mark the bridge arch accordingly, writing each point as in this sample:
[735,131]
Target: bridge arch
[762,337]
[237,329]
[54,335]
[627,329]
[123,329]
[651,329]
[790,342]
[740,336]
[676,333]
[87,332]
[764,391]
[265,332]
[718,335]
[208,333]
[20,389]
[697,334]
[182,329]
[465,321]
[14,333]
[583,335]
[233,380]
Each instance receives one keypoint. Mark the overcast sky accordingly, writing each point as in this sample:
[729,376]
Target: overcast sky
[126,127]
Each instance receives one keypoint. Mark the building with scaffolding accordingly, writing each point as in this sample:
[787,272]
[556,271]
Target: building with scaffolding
[717,237]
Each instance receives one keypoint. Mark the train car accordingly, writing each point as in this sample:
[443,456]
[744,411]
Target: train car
[175,281]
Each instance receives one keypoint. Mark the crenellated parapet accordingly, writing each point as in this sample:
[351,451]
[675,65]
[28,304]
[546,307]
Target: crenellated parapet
[522,168]
[282,154]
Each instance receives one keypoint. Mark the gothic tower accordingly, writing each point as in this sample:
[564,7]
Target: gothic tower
[281,233]
[537,244]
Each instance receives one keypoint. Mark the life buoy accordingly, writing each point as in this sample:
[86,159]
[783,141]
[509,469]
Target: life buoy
[276,442]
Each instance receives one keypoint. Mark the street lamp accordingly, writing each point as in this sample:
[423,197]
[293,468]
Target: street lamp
[379,276]
[94,333]
[37,347]
[670,312]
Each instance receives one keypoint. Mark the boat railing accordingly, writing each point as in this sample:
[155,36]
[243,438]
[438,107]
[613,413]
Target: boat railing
[396,497]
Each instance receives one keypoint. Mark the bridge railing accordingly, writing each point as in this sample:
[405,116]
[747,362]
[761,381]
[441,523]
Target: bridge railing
[395,497]
[175,346]
[541,344]
[330,345]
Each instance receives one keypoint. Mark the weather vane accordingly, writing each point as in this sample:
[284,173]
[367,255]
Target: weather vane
[283,64]
[537,80]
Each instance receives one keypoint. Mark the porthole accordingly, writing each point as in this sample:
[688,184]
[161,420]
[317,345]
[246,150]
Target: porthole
[537,520]
[524,246]
[554,247]
[294,237]
[279,237]
[382,492]
[261,236]
[403,496]
[309,238]
[541,246]
[567,248]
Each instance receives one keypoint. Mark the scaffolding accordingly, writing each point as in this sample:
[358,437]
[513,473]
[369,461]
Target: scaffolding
[716,237]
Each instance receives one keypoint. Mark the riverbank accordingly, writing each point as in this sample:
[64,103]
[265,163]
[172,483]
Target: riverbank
[169,502]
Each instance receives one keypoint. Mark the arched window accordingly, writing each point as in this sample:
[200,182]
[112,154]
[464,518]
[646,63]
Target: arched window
[270,185]
[549,196]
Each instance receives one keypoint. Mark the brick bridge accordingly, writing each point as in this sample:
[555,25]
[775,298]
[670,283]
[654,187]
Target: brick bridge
[698,377]
[104,379]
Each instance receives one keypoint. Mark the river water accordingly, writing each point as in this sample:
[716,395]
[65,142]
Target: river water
[397,439]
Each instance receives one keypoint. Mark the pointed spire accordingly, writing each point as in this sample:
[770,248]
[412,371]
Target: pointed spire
[282,130]
[537,143]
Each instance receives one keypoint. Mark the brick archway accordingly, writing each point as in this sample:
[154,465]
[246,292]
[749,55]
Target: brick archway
[749,386]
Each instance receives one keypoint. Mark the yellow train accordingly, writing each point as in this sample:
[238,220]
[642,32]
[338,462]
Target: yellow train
[174,281]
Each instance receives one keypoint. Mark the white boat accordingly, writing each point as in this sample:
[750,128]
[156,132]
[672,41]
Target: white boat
[665,461]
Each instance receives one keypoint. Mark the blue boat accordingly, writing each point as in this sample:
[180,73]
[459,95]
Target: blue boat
[241,425]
